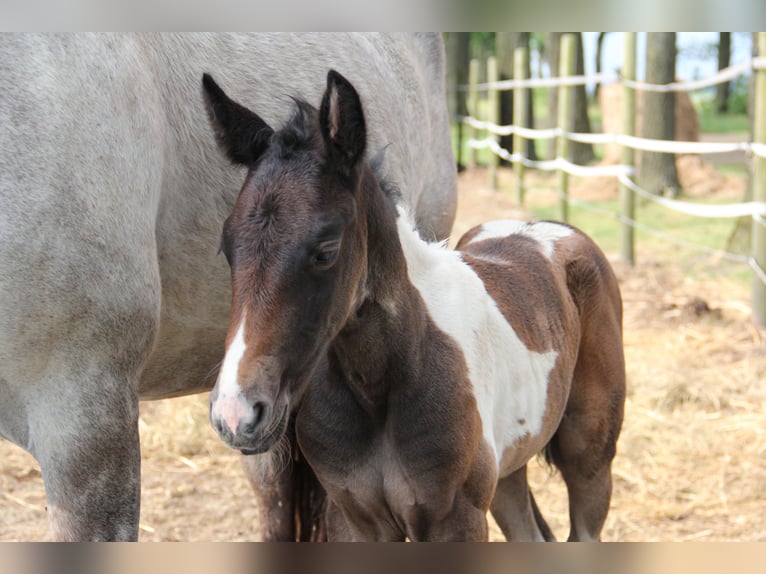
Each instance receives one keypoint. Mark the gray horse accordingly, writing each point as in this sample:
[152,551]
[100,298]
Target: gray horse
[112,199]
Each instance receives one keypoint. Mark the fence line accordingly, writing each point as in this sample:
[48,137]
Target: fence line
[750,208]
[725,75]
[733,257]
[755,151]
[634,142]
[550,82]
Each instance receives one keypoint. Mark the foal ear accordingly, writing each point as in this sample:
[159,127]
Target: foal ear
[341,121]
[242,134]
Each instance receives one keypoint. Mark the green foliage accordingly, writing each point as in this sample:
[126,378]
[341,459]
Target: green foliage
[735,120]
[482,43]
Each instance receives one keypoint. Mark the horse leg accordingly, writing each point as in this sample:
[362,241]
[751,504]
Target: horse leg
[273,499]
[288,495]
[338,529]
[585,442]
[88,448]
[76,372]
[515,510]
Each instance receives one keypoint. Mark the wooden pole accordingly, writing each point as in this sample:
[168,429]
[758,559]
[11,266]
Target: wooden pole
[627,201]
[566,68]
[520,103]
[494,117]
[473,79]
[759,189]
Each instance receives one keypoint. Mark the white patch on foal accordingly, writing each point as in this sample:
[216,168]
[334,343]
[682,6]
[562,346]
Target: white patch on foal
[546,233]
[230,404]
[510,382]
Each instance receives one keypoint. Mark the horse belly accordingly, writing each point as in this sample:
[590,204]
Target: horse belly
[517,453]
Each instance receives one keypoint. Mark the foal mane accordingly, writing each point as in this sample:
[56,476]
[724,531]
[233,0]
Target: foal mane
[301,132]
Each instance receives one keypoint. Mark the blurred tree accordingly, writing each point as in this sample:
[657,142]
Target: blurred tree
[724,57]
[581,153]
[599,50]
[537,43]
[482,46]
[458,48]
[505,45]
[657,172]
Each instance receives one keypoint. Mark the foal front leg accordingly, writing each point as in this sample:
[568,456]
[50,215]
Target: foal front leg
[464,522]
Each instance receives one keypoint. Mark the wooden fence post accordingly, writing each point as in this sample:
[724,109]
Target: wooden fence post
[472,105]
[759,188]
[627,201]
[520,65]
[566,68]
[493,114]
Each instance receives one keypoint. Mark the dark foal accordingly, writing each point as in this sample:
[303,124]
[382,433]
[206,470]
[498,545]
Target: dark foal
[427,377]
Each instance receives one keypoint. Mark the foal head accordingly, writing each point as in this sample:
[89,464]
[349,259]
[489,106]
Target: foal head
[296,246]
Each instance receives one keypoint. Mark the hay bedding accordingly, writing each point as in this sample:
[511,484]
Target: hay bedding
[691,461]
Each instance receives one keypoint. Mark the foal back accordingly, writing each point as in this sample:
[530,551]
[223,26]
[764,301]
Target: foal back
[557,289]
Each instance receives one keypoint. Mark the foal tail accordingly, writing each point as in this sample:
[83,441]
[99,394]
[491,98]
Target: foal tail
[542,525]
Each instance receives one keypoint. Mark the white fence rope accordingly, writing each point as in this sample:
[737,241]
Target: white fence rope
[635,142]
[725,75]
[555,164]
[551,82]
[751,208]
[589,206]
[733,257]
[622,172]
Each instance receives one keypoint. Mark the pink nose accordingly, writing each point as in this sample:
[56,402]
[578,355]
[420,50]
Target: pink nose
[232,410]
[236,420]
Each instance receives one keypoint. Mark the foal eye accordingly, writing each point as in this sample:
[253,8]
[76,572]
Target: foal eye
[325,254]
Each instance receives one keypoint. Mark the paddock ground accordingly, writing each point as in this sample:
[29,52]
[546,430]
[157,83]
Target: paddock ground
[691,461]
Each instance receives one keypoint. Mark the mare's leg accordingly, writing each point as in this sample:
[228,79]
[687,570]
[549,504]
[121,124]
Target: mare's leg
[515,510]
[72,349]
[585,443]
[87,445]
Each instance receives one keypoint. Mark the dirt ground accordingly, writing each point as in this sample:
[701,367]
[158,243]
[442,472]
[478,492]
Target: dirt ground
[691,462]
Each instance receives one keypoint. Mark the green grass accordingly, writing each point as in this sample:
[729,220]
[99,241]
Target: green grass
[714,123]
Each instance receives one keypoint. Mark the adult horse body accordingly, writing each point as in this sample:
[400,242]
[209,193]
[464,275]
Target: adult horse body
[112,196]
[427,377]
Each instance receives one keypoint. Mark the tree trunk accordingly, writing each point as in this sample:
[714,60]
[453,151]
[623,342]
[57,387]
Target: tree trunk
[506,43]
[582,153]
[724,57]
[599,50]
[657,173]
[458,46]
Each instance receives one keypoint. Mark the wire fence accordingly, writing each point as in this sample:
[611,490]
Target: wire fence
[624,172]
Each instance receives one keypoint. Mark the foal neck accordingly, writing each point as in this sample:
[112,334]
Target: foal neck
[381,341]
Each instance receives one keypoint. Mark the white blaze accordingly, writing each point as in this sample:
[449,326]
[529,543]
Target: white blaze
[230,404]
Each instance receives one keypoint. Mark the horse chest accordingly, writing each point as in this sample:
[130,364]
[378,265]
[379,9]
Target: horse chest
[377,492]
[377,472]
